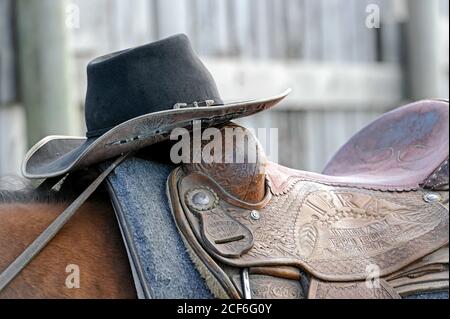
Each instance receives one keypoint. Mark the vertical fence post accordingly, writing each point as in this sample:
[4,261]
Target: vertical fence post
[12,132]
[45,69]
[7,58]
[423,41]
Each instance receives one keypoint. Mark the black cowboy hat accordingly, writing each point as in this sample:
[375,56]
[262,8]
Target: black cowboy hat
[135,98]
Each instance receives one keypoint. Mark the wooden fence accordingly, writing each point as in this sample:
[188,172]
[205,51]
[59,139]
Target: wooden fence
[336,66]
[12,123]
[343,74]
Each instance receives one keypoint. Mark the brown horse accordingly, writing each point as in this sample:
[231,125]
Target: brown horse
[90,245]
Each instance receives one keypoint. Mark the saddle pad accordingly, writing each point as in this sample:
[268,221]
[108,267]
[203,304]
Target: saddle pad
[335,233]
[162,266]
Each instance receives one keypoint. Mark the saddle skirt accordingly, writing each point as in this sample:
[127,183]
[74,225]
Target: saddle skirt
[380,207]
[332,232]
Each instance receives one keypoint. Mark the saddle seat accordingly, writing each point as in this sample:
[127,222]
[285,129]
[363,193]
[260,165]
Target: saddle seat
[258,229]
[404,149]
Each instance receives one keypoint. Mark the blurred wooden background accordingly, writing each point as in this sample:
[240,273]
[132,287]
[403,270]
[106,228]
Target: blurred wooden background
[343,74]
[12,115]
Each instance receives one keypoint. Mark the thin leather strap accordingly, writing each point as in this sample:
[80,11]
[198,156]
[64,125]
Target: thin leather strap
[44,238]
[49,183]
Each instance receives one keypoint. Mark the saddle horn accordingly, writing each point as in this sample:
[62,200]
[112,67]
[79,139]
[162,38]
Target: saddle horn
[239,167]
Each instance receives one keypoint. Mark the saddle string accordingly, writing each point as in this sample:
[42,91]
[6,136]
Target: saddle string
[247,292]
[44,238]
[50,183]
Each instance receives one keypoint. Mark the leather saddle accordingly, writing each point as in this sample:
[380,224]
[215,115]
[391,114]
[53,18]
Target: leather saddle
[374,224]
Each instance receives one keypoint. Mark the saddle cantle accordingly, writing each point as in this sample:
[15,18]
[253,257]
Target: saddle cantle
[363,229]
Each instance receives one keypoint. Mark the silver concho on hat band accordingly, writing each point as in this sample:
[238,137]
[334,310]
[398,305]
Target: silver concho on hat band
[193,104]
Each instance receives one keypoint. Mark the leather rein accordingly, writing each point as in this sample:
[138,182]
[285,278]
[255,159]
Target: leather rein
[44,238]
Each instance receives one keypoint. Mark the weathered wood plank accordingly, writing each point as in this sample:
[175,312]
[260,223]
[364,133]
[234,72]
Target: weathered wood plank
[314,147]
[172,17]
[334,123]
[312,31]
[315,85]
[203,28]
[12,139]
[366,38]
[348,37]
[295,19]
[260,29]
[7,56]
[133,23]
[296,142]
[443,7]
[423,40]
[393,40]
[239,12]
[276,21]
[307,139]
[221,28]
[93,36]
[45,70]
[210,27]
[332,31]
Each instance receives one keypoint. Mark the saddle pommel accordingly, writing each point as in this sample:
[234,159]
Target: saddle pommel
[235,160]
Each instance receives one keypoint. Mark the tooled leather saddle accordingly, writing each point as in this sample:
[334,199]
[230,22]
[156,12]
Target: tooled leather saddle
[374,224]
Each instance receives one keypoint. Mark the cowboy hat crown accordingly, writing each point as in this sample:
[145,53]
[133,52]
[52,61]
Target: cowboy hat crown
[145,79]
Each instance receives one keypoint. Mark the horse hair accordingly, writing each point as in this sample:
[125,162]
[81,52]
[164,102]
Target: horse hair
[14,189]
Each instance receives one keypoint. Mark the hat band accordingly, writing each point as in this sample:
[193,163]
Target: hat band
[206,103]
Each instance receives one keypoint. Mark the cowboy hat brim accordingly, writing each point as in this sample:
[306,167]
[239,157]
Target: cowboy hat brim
[57,155]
